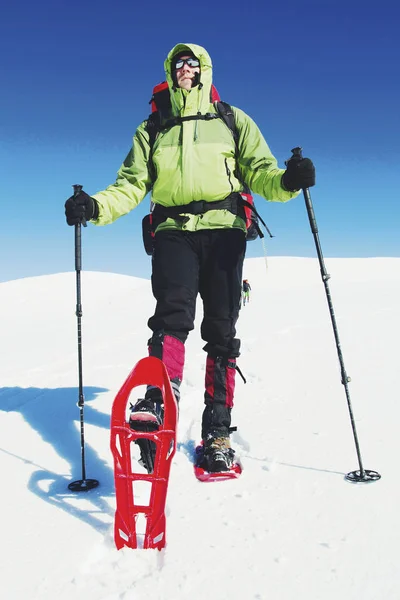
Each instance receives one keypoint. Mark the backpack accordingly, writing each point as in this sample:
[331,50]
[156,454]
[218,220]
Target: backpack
[238,202]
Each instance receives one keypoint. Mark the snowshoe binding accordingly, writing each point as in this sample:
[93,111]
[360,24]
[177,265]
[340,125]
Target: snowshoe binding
[146,416]
[215,460]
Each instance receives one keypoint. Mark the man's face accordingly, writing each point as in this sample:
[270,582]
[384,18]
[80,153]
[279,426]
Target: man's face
[186,73]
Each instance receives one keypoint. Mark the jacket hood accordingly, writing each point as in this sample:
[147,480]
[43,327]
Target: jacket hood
[202,91]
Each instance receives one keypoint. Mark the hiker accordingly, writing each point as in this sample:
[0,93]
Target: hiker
[246,287]
[192,169]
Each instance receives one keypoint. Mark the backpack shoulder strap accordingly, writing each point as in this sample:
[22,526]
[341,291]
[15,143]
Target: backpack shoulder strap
[152,128]
[161,109]
[226,113]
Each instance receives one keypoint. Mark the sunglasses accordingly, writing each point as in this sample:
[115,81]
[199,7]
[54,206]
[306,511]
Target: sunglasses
[191,62]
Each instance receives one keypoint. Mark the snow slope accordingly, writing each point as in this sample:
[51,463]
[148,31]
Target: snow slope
[291,527]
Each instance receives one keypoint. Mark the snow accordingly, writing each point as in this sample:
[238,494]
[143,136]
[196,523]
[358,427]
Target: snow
[291,527]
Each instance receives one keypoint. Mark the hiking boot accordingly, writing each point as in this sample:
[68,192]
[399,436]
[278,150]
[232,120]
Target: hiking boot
[218,454]
[147,416]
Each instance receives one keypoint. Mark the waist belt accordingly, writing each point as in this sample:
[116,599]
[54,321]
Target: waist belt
[233,203]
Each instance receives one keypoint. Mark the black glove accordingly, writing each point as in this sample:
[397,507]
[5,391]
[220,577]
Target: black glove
[81,208]
[299,174]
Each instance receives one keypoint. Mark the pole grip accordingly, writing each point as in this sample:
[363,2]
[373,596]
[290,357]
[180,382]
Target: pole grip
[297,152]
[77,189]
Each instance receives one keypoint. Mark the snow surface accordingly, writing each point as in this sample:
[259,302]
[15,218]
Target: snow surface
[291,527]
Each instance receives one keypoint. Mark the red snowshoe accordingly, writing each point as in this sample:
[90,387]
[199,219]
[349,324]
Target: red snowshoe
[202,474]
[148,371]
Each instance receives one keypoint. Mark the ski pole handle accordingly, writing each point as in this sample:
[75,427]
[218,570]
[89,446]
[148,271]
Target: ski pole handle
[77,189]
[297,153]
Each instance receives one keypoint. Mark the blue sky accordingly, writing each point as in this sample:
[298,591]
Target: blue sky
[77,76]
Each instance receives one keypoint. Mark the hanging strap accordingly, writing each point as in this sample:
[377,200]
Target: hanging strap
[255,211]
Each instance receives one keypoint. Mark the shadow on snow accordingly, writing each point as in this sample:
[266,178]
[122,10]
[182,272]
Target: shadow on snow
[54,414]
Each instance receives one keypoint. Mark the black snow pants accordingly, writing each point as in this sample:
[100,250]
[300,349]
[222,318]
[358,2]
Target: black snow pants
[209,263]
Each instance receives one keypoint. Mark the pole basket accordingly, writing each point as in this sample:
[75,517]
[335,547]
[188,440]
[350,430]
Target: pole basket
[364,476]
[83,485]
[148,371]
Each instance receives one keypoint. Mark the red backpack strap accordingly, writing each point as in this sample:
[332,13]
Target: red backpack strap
[214,95]
[160,100]
[160,108]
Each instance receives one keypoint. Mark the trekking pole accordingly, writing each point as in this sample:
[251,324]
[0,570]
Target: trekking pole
[81,485]
[360,475]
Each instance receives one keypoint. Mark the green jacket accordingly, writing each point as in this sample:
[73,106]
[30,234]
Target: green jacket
[194,161]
